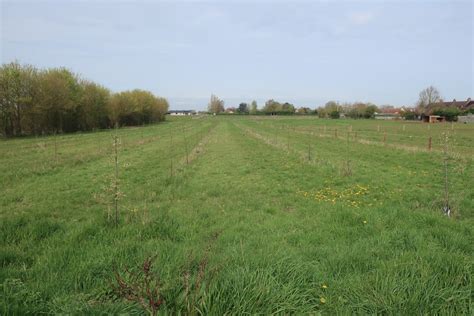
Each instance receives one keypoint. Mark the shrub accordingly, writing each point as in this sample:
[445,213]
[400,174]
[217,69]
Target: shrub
[334,114]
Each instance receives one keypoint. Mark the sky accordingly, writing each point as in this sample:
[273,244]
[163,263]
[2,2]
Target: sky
[302,52]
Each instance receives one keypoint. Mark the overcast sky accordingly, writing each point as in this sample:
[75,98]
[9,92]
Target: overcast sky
[302,52]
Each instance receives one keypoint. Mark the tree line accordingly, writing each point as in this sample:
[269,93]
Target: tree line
[55,100]
[331,109]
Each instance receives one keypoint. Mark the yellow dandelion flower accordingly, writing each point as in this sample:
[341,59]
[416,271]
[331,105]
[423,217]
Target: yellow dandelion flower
[365,222]
[324,286]
[322,300]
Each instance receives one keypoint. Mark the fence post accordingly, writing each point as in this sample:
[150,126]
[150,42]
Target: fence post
[171,155]
[385,138]
[335,133]
[429,143]
[288,145]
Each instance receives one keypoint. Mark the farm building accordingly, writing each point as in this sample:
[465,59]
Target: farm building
[434,119]
[181,112]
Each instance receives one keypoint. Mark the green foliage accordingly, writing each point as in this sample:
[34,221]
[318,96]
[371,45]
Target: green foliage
[243,108]
[409,115]
[136,107]
[360,110]
[53,100]
[18,86]
[334,114]
[305,111]
[332,109]
[451,114]
[273,107]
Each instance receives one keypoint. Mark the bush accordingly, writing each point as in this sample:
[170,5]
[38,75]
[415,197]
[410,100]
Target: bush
[451,114]
[334,114]
[409,115]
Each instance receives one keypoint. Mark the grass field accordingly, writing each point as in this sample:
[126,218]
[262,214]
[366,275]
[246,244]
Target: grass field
[240,215]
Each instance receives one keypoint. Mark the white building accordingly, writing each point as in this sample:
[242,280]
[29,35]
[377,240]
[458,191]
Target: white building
[181,112]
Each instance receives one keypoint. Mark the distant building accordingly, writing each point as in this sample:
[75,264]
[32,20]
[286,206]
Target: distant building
[181,112]
[431,108]
[388,113]
[461,105]
[386,116]
[434,119]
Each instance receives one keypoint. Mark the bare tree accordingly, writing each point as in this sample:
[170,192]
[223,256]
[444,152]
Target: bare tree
[428,96]
[253,107]
[215,105]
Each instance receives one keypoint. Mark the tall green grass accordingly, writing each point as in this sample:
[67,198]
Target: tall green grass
[283,245]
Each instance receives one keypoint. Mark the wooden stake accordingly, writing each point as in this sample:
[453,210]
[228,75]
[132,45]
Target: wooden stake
[288,145]
[185,144]
[171,155]
[55,147]
[116,193]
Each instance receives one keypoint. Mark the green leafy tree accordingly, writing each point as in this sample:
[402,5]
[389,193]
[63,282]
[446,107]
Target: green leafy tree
[92,109]
[287,108]
[36,101]
[332,109]
[243,108]
[370,110]
[409,115]
[451,114]
[334,114]
[17,87]
[272,107]
[136,107]
[303,110]
[58,98]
